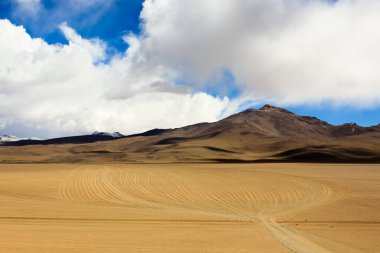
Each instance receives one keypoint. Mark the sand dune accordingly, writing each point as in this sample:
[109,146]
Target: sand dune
[189,208]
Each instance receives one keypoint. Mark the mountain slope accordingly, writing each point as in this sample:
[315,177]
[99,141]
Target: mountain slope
[267,134]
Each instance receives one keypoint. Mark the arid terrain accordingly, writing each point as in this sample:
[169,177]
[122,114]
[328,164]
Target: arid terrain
[241,184]
[189,126]
[189,208]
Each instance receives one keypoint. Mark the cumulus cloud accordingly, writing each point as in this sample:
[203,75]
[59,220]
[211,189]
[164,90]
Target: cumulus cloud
[283,51]
[59,88]
[287,52]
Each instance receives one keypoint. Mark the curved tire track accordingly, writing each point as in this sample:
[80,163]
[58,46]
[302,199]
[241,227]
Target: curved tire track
[256,196]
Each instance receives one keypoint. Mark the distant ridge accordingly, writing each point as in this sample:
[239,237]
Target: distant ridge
[12,138]
[82,139]
[114,134]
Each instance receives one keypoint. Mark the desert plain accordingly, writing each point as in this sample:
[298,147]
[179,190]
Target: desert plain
[258,207]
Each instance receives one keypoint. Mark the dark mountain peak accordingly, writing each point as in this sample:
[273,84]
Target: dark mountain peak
[271,108]
[314,121]
[114,134]
[349,129]
[153,132]
[249,110]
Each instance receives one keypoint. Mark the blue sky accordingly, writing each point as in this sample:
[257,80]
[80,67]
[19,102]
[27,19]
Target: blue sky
[340,114]
[228,81]
[106,21]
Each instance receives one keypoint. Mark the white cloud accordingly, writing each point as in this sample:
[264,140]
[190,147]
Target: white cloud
[287,51]
[95,47]
[60,89]
[28,7]
[82,4]
[283,51]
[41,19]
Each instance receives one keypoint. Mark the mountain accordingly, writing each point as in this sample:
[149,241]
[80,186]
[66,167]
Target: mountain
[81,139]
[268,134]
[11,138]
[114,134]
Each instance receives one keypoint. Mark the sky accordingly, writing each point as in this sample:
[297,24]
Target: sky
[78,66]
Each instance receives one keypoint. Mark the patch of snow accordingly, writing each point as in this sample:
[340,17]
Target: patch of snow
[12,138]
[114,134]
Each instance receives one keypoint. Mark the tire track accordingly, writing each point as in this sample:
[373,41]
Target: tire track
[257,196]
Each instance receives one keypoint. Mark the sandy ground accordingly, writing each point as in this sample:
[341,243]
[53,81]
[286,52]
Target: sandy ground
[190,208]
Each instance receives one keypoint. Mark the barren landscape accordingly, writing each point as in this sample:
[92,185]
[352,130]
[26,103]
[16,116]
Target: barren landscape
[265,180]
[189,208]
[166,126]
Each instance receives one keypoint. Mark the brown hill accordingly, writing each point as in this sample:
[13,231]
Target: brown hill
[267,134]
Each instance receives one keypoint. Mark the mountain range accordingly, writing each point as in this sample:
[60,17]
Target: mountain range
[12,138]
[268,134]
